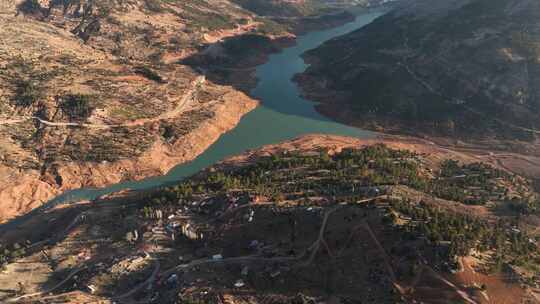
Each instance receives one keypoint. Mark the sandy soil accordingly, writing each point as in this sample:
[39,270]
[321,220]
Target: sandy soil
[499,289]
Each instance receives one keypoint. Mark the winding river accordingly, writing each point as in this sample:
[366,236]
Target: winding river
[282,115]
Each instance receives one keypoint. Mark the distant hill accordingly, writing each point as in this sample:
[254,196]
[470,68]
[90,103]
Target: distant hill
[297,8]
[300,8]
[465,68]
[282,8]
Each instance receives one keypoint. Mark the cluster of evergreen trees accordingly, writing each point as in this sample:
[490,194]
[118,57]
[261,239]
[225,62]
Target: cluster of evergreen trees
[77,106]
[347,173]
[470,184]
[343,174]
[352,174]
[7,253]
[465,233]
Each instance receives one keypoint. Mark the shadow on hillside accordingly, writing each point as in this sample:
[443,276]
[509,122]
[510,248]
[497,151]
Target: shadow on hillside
[232,61]
[238,61]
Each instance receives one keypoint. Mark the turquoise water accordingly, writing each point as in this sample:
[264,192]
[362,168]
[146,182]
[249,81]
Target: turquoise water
[282,115]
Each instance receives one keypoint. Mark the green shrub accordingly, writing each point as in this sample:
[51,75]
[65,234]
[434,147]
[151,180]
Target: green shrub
[153,6]
[29,7]
[148,73]
[77,106]
[27,92]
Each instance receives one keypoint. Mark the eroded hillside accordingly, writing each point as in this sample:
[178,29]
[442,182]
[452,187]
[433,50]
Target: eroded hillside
[465,69]
[300,8]
[91,92]
[314,220]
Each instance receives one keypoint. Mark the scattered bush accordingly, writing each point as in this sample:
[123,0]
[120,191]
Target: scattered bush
[153,6]
[29,7]
[149,74]
[77,106]
[27,92]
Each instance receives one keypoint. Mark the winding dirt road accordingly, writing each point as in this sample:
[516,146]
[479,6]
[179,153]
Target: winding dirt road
[184,102]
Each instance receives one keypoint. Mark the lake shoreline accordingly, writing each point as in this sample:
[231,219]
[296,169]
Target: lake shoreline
[25,191]
[158,160]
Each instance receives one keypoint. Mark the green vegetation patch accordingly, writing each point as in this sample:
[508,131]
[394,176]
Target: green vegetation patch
[127,112]
[148,73]
[353,170]
[321,180]
[30,7]
[463,233]
[77,107]
[27,92]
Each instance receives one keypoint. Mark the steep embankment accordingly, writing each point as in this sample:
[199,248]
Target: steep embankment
[23,191]
[91,92]
[467,69]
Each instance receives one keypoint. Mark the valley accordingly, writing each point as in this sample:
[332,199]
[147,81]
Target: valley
[246,151]
[86,103]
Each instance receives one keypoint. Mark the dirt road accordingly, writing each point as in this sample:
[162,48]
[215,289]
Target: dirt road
[182,105]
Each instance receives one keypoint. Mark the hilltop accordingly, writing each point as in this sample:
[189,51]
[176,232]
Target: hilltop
[308,220]
[464,69]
